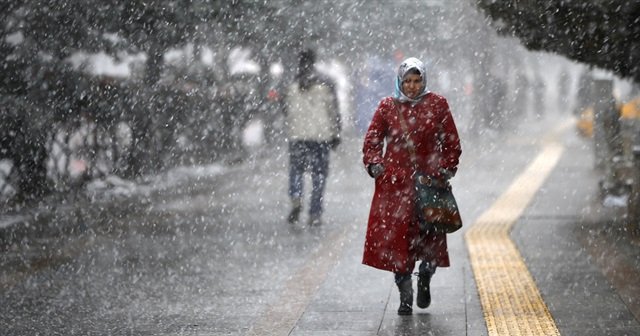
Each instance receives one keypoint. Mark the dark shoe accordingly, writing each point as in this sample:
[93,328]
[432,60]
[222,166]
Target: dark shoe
[404,310]
[294,215]
[406,297]
[424,290]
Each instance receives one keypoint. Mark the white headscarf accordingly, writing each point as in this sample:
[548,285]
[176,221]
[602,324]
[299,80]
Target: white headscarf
[407,65]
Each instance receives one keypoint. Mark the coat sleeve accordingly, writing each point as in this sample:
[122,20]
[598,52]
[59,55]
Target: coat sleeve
[334,110]
[374,138]
[332,103]
[449,143]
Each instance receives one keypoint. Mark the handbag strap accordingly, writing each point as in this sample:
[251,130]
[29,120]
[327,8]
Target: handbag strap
[405,129]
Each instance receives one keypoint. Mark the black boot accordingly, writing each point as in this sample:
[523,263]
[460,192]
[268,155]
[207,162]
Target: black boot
[406,296]
[424,283]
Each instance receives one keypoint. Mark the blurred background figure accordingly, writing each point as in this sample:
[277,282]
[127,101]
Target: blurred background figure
[370,85]
[313,124]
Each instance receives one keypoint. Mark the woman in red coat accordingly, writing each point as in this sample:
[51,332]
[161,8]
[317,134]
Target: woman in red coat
[393,240]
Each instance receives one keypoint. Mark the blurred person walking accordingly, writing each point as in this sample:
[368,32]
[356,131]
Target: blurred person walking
[313,124]
[394,241]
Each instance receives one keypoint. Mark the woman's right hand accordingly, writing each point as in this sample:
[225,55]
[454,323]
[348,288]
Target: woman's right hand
[375,169]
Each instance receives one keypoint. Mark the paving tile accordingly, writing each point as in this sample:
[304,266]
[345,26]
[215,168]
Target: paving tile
[339,321]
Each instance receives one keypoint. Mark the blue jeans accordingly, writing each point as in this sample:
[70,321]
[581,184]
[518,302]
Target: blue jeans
[310,156]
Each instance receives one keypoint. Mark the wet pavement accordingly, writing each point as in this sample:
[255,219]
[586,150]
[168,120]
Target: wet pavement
[212,254]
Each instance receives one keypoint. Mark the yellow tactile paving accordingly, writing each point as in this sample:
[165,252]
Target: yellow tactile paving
[510,299]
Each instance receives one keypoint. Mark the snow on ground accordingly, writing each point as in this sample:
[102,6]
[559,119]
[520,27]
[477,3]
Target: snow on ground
[115,187]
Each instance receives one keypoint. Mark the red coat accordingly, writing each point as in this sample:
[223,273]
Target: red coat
[392,241]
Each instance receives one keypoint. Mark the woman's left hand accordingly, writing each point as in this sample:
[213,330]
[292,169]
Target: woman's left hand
[375,170]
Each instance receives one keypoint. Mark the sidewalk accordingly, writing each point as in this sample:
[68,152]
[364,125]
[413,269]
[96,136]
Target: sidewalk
[585,263]
[555,236]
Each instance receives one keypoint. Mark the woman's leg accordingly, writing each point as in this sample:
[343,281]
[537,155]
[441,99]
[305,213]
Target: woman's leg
[403,281]
[426,271]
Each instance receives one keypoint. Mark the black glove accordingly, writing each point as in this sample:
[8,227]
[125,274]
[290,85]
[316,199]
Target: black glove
[375,169]
[334,143]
